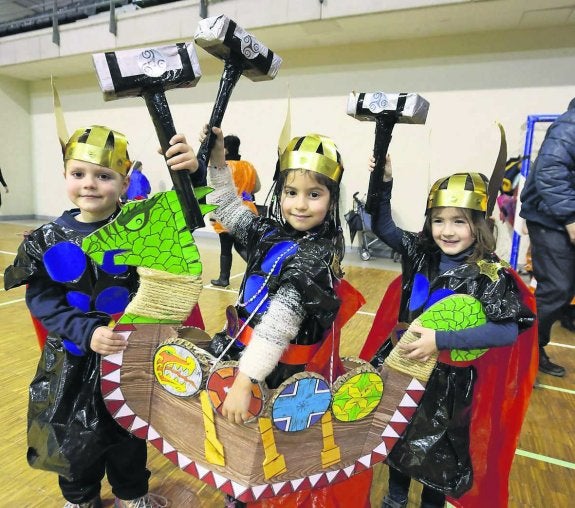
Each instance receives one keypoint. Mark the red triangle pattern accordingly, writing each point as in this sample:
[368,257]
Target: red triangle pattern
[126,421]
[377,457]
[246,497]
[107,387]
[142,433]
[389,441]
[415,395]
[306,484]
[399,427]
[267,492]
[286,489]
[173,456]
[108,367]
[407,412]
[322,482]
[191,469]
[158,442]
[360,466]
[339,476]
[226,487]
[114,405]
[209,479]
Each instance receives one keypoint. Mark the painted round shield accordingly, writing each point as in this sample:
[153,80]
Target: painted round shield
[221,380]
[356,394]
[180,367]
[300,401]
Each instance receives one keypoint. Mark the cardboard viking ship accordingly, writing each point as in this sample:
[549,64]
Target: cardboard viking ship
[165,387]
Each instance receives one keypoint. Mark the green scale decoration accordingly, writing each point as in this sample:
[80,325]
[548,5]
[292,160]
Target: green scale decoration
[456,312]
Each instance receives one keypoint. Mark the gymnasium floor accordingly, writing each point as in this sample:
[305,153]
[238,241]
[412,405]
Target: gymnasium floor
[543,473]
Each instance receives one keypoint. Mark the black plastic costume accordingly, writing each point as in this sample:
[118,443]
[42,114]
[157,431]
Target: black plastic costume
[70,293]
[277,256]
[435,446]
[69,428]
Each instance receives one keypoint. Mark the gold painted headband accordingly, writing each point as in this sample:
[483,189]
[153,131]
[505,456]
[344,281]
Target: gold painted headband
[456,195]
[313,162]
[93,148]
[307,156]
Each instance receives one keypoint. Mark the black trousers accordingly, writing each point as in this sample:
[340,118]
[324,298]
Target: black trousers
[399,489]
[553,257]
[125,466]
[227,243]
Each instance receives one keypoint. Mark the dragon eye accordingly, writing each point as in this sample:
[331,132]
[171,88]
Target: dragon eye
[136,222]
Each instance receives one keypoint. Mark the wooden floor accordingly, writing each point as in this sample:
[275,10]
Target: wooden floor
[543,473]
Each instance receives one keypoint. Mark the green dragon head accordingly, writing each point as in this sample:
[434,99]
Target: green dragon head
[151,233]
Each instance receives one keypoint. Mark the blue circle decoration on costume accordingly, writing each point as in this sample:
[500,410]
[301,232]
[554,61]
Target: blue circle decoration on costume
[419,292]
[113,299]
[253,285]
[65,262]
[277,255]
[108,262]
[272,263]
[79,300]
[301,404]
[437,295]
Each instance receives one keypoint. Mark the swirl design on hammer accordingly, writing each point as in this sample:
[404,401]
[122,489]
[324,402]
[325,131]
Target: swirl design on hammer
[152,62]
[378,102]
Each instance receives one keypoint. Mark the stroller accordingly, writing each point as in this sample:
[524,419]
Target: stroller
[359,221]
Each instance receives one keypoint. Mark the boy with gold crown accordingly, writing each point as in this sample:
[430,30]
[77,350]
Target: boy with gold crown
[70,431]
[289,297]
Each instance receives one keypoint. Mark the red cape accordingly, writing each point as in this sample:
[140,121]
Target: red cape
[505,377]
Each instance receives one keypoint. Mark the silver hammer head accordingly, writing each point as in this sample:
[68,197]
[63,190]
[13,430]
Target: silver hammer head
[222,37]
[407,107]
[127,73]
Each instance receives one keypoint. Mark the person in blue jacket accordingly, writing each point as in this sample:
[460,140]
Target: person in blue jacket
[139,187]
[548,206]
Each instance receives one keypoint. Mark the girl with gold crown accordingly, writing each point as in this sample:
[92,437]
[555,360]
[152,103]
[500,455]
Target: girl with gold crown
[70,431]
[462,438]
[288,298]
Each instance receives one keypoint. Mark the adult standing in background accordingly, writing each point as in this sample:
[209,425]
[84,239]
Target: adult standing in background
[247,184]
[4,184]
[548,206]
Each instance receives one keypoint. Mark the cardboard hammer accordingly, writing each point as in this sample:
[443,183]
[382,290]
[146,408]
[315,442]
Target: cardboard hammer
[243,54]
[149,72]
[385,110]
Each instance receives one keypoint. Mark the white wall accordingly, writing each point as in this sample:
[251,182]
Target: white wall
[471,82]
[16,147]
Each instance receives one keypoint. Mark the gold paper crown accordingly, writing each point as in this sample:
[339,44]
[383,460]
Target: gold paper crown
[314,153]
[99,145]
[461,190]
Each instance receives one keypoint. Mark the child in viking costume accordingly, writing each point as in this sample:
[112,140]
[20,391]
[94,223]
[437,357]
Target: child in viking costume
[462,438]
[69,430]
[288,298]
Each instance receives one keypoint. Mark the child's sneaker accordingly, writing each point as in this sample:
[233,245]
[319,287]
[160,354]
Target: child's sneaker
[96,502]
[148,501]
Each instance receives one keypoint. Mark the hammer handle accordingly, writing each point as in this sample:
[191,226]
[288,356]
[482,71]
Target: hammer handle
[182,180]
[383,128]
[233,69]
